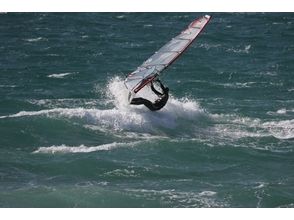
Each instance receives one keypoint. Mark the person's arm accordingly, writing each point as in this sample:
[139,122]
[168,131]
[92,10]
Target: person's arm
[155,91]
[161,85]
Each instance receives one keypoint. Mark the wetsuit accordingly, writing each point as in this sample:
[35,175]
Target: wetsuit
[158,104]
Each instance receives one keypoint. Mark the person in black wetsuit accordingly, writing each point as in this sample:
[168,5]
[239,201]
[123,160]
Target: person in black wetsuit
[159,103]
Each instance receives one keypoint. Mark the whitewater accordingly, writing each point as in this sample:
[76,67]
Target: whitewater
[138,121]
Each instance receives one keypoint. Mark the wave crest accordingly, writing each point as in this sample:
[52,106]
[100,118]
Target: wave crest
[122,115]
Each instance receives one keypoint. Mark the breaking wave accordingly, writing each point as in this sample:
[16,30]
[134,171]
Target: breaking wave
[179,118]
[123,116]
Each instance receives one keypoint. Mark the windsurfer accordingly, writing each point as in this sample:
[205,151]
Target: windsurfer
[159,103]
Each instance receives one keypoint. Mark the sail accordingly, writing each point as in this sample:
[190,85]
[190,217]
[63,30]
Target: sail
[165,56]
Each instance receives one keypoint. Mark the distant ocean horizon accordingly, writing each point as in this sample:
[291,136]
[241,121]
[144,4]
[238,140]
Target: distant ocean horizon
[69,138]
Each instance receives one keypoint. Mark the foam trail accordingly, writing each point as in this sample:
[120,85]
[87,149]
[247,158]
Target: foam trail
[61,111]
[35,39]
[82,148]
[59,75]
[27,113]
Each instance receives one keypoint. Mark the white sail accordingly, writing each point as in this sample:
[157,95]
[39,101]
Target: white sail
[165,56]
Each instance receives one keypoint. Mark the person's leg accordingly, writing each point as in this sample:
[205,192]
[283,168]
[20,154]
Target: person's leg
[138,101]
[141,101]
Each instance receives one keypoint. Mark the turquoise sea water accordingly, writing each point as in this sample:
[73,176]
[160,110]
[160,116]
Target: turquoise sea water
[68,138]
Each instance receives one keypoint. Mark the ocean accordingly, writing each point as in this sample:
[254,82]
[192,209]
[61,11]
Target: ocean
[69,138]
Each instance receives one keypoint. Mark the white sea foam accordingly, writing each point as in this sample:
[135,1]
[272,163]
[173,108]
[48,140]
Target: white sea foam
[282,111]
[267,73]
[238,127]
[35,39]
[261,185]
[236,84]
[64,103]
[245,50]
[120,16]
[112,118]
[233,132]
[207,193]
[121,173]
[59,75]
[180,198]
[29,113]
[82,148]
[281,129]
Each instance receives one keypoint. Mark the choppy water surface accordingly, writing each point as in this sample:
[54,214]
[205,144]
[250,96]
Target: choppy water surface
[70,139]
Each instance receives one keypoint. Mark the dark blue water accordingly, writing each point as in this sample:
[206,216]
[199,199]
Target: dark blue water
[68,137]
